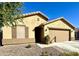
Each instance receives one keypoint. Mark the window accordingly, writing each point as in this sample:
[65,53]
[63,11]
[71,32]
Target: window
[20,32]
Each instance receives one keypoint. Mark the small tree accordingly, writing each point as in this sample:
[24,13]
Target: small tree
[8,12]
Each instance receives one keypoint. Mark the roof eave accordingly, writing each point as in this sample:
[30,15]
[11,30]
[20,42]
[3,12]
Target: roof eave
[34,13]
[60,19]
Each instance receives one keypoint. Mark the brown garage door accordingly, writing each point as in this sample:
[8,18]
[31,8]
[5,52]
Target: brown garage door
[59,35]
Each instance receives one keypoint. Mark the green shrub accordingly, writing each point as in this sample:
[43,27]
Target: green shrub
[46,54]
[28,46]
[47,39]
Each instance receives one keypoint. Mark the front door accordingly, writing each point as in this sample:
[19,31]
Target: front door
[38,34]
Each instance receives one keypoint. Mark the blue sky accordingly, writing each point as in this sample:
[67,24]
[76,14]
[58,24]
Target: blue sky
[68,10]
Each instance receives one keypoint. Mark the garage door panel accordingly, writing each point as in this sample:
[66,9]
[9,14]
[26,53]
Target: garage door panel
[59,35]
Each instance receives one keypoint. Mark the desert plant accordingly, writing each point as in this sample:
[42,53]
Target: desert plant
[28,46]
[45,53]
[70,54]
[47,39]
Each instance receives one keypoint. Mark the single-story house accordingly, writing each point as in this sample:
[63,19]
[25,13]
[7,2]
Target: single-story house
[77,33]
[35,27]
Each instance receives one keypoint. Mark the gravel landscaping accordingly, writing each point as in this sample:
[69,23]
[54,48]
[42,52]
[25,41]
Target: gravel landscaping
[19,50]
[34,49]
[22,50]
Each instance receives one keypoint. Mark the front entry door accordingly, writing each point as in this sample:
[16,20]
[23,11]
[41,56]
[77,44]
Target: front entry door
[38,34]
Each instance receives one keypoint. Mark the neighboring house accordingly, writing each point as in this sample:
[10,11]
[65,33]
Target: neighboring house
[77,33]
[35,27]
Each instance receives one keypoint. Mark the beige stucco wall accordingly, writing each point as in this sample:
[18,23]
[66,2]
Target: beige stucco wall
[59,24]
[17,41]
[7,31]
[30,22]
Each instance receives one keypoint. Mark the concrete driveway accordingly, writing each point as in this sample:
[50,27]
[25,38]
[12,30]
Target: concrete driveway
[72,46]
